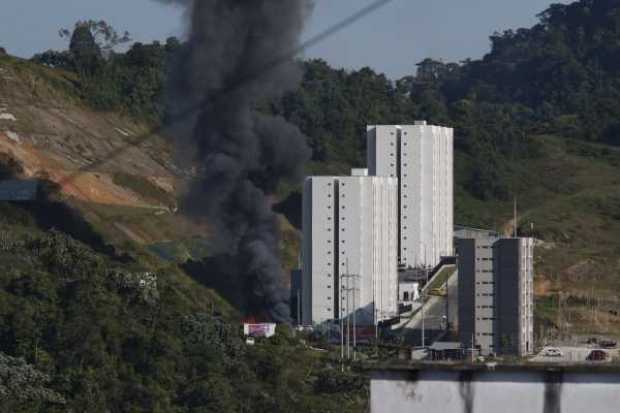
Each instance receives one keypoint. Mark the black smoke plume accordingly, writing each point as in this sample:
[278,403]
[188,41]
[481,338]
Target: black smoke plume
[238,59]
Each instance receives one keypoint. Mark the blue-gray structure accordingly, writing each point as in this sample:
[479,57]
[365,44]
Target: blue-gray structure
[495,293]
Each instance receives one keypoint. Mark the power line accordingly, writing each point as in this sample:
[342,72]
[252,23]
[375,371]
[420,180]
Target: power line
[285,57]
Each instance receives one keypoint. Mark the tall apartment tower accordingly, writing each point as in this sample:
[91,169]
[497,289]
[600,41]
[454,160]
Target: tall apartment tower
[421,157]
[496,311]
[350,248]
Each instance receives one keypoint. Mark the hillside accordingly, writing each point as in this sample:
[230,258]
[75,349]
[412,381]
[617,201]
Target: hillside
[49,131]
[95,313]
[78,302]
[523,129]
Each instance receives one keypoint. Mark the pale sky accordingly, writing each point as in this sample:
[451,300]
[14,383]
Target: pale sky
[390,40]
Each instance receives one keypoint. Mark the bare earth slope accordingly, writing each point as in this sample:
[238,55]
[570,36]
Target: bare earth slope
[47,129]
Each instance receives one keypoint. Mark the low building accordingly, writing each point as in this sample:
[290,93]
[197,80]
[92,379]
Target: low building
[496,293]
[259,329]
[408,291]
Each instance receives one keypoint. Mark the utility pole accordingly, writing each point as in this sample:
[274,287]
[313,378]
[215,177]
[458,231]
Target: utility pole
[348,300]
[515,223]
[447,304]
[348,320]
[298,307]
[341,327]
[354,320]
[423,341]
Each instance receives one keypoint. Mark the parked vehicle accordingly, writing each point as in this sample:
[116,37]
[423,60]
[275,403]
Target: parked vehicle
[608,343]
[552,352]
[441,291]
[597,355]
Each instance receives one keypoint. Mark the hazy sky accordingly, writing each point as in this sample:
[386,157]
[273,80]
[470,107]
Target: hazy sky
[390,40]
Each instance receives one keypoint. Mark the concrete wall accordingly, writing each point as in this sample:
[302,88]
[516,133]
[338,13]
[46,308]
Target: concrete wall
[421,156]
[350,248]
[496,293]
[319,238]
[514,280]
[466,250]
[527,391]
[477,292]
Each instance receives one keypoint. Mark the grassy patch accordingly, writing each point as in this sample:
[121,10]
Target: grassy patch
[144,188]
[440,279]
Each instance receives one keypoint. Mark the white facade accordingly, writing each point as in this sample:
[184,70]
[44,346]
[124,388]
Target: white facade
[408,291]
[421,156]
[526,289]
[350,248]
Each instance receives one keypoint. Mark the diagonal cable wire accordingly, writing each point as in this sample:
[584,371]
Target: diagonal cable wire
[181,116]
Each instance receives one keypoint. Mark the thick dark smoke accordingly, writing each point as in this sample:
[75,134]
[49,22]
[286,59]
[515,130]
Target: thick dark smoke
[237,59]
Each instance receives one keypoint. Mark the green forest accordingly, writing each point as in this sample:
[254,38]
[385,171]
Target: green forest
[80,332]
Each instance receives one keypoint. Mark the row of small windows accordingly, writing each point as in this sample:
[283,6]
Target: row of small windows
[485,306]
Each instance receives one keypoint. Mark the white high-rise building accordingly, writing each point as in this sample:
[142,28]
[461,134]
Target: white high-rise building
[421,157]
[350,248]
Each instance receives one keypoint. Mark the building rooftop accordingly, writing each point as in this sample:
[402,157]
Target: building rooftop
[582,367]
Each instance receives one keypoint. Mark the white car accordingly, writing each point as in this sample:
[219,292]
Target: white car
[552,352]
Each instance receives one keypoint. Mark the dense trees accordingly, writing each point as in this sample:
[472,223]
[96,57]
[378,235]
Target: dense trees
[558,77]
[78,332]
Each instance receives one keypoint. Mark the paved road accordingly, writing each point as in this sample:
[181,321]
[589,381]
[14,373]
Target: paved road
[434,311]
[571,355]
